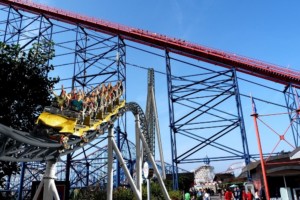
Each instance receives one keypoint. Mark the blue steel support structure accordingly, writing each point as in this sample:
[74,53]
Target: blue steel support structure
[118,170]
[172,128]
[241,121]
[198,117]
[95,58]
[25,29]
[293,108]
[13,26]
[201,92]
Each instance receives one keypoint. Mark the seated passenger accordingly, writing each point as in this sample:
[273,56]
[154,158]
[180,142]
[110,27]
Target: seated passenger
[62,100]
[77,104]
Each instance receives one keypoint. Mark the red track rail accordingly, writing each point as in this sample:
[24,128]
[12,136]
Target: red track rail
[206,54]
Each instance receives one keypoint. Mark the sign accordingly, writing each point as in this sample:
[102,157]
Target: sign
[146,170]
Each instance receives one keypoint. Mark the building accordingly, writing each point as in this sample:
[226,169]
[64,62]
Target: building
[281,171]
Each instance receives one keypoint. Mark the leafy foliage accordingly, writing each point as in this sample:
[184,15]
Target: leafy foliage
[24,89]
[24,84]
[124,193]
[89,193]
[175,194]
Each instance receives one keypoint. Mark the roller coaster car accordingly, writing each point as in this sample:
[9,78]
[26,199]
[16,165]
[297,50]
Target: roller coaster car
[56,124]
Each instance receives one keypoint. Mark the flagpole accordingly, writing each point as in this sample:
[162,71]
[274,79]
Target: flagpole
[262,162]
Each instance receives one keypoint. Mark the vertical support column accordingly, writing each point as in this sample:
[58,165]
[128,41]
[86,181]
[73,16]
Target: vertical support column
[292,104]
[139,150]
[136,192]
[7,185]
[161,154]
[110,159]
[80,63]
[156,171]
[87,173]
[121,64]
[68,167]
[148,189]
[241,121]
[48,182]
[262,161]
[50,190]
[20,192]
[153,122]
[172,128]
[118,170]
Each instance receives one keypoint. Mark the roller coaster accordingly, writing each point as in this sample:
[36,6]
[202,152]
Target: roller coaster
[76,115]
[28,147]
[196,93]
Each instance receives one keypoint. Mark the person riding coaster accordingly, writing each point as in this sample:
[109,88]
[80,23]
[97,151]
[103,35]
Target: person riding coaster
[74,115]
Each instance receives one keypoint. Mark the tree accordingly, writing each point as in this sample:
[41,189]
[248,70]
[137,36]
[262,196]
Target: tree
[24,83]
[24,88]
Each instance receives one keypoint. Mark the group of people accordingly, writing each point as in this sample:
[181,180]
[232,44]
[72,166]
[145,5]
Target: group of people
[238,194]
[201,194]
[227,194]
[98,101]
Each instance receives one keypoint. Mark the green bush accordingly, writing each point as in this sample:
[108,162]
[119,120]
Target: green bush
[95,193]
[123,193]
[175,194]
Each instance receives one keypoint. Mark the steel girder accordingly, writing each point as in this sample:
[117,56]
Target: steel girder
[150,110]
[198,117]
[98,59]
[293,106]
[25,29]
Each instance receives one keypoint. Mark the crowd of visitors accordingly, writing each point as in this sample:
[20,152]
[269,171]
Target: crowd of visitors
[227,194]
[97,102]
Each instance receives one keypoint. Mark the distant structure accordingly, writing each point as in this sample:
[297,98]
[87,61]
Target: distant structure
[152,120]
[236,168]
[204,174]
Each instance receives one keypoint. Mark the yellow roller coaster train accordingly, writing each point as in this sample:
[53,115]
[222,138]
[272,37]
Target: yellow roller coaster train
[73,115]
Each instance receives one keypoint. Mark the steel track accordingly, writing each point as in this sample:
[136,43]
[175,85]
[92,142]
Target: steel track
[19,146]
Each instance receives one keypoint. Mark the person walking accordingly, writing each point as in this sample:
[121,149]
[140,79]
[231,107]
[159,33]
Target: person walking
[237,193]
[187,196]
[256,196]
[249,195]
[206,195]
[228,195]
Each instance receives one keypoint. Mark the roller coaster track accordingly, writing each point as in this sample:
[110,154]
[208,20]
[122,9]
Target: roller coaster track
[243,64]
[22,146]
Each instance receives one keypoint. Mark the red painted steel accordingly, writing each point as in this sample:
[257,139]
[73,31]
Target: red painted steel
[243,64]
[262,161]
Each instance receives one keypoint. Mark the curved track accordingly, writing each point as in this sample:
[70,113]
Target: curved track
[22,146]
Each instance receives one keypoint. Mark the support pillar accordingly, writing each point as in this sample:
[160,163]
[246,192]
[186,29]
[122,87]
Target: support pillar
[20,192]
[172,129]
[156,171]
[241,122]
[48,182]
[148,189]
[139,150]
[136,192]
[262,161]
[110,160]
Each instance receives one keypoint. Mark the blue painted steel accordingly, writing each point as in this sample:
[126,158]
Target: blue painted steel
[172,128]
[292,104]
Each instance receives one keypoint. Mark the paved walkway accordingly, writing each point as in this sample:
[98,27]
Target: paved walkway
[216,197]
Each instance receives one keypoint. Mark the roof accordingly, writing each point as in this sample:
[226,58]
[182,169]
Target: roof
[287,166]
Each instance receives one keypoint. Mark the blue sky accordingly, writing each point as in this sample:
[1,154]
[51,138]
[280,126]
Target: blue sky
[264,30]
